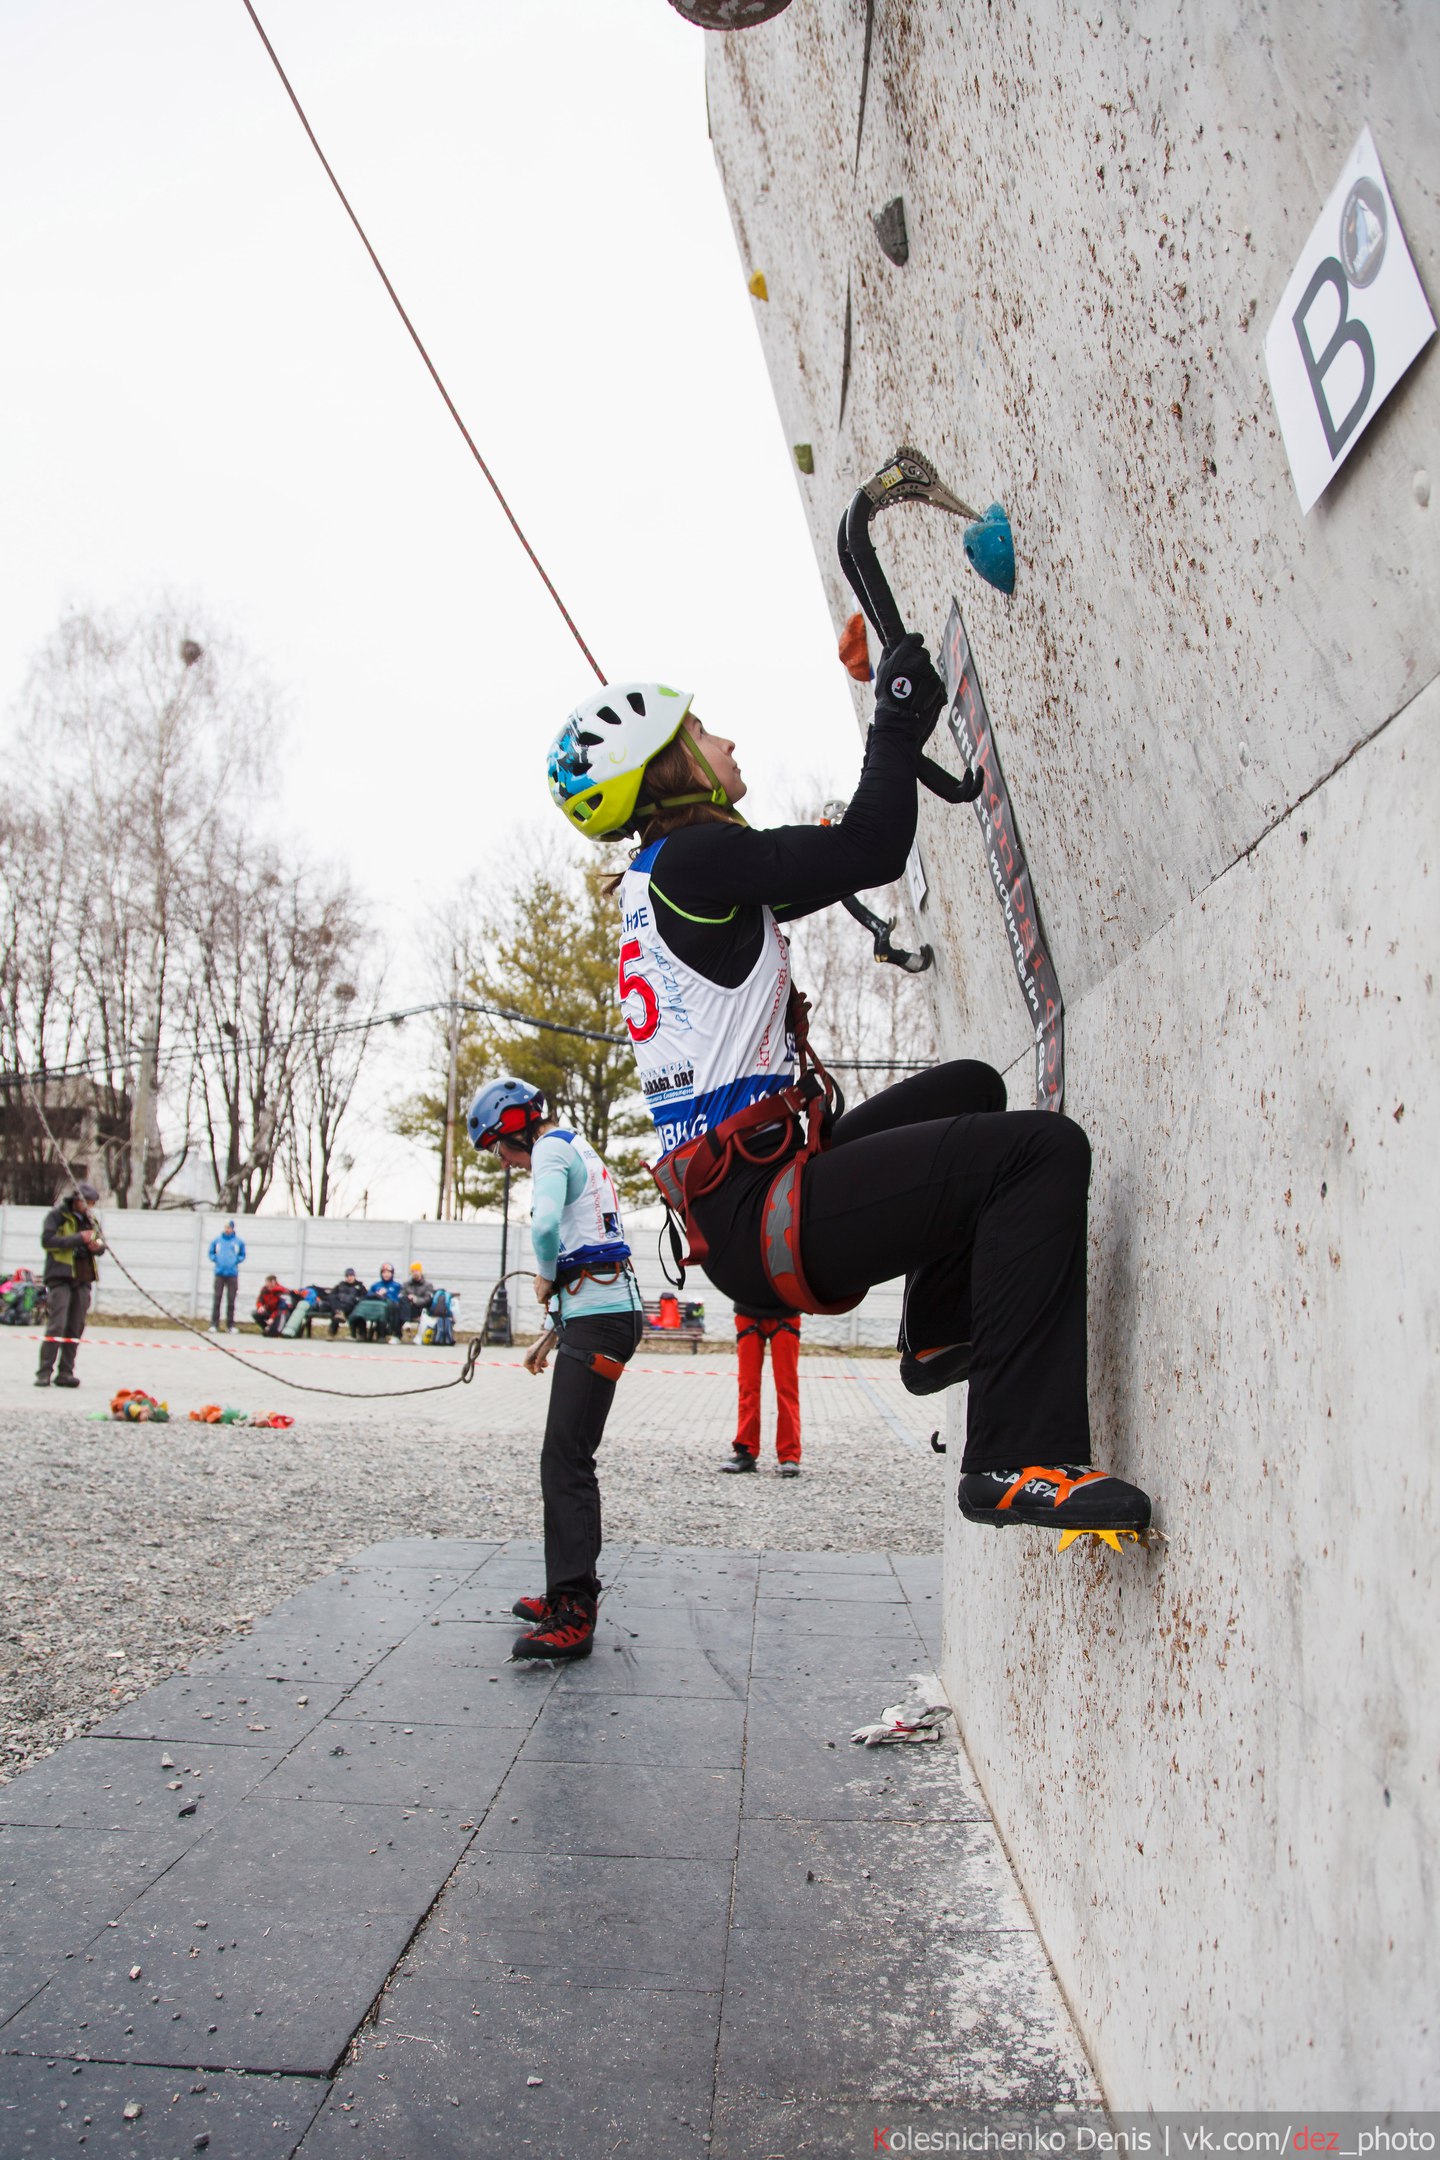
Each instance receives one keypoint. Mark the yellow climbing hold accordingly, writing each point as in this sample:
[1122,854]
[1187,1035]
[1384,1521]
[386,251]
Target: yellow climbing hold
[1107,1537]
[757,288]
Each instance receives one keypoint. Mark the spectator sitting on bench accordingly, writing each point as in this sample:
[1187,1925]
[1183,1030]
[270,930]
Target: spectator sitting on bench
[342,1300]
[417,1293]
[272,1305]
[383,1310]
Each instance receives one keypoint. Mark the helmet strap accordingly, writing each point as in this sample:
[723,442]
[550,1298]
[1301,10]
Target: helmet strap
[715,795]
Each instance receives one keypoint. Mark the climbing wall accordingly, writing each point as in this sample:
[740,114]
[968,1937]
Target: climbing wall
[1216,1763]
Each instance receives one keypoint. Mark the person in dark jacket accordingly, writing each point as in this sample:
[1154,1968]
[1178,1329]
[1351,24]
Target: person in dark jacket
[72,1241]
[342,1300]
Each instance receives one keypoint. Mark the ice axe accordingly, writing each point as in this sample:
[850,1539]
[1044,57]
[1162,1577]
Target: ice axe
[879,928]
[989,548]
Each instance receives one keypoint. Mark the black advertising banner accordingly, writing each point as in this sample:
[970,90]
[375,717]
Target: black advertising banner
[1009,871]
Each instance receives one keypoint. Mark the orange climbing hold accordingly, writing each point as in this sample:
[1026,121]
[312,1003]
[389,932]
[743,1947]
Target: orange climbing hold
[855,649]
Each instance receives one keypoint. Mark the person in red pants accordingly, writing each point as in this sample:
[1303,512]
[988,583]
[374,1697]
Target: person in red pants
[782,1332]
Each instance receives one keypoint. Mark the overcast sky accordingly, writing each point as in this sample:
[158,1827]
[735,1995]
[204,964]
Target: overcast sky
[206,393]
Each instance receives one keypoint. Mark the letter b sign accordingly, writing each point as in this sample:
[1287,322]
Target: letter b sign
[1352,318]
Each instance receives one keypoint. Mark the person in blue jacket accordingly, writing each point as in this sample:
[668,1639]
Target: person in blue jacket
[397,1305]
[227,1256]
[586,1284]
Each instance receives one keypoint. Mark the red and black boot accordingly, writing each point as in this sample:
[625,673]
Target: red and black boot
[532,1609]
[566,1629]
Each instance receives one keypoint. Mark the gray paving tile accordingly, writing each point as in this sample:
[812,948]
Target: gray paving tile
[824,1563]
[244,1708]
[276,1991]
[800,1761]
[678,1623]
[671,1813]
[58,1888]
[636,1668]
[47,2107]
[303,1658]
[599,1922]
[440,1555]
[884,1620]
[311,1857]
[124,1785]
[923,1881]
[452,1674]
[979,2024]
[370,1590]
[869,1658]
[456,1767]
[831,1587]
[445,2075]
[703,1732]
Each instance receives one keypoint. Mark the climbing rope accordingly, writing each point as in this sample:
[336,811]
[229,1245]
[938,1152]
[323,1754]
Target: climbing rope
[435,377]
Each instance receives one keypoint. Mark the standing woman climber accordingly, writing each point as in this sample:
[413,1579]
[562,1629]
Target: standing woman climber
[585,1282]
[786,1204]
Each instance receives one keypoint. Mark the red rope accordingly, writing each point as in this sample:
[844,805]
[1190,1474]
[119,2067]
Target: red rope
[420,348]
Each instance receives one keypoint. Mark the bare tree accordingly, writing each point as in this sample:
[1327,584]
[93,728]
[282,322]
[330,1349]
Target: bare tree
[151,727]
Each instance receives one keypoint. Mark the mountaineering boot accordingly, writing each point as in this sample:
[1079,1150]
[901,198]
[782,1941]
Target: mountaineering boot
[1070,1498]
[925,1372]
[66,1379]
[42,1379]
[532,1609]
[788,1469]
[740,1459]
[566,1631]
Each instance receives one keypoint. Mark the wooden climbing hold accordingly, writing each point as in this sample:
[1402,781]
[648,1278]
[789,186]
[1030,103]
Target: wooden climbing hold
[757,288]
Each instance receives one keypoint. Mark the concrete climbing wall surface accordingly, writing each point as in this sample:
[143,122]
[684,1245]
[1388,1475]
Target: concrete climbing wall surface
[1216,1763]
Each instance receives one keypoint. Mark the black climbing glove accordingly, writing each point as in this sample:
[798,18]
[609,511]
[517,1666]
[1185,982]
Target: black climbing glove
[909,695]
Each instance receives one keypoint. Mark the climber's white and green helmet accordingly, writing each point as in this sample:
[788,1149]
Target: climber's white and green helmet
[597,761]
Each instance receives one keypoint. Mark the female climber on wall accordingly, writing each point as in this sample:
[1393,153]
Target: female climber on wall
[980,1208]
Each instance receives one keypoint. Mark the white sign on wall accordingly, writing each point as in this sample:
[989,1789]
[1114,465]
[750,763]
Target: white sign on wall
[915,874]
[1353,317]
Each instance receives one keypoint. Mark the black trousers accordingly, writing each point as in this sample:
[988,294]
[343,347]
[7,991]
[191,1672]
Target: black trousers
[225,1287]
[66,1304]
[983,1211]
[574,1426]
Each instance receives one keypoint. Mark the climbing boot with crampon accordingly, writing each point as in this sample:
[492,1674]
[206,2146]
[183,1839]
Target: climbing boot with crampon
[532,1609]
[1068,1497]
[925,1372]
[565,1630]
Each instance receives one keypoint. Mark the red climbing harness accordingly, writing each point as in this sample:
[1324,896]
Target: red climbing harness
[785,1129]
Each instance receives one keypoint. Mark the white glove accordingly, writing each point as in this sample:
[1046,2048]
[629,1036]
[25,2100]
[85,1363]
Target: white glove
[917,1718]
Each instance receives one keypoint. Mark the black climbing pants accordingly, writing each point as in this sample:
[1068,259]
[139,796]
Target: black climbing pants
[983,1211]
[574,1425]
[225,1288]
[66,1304]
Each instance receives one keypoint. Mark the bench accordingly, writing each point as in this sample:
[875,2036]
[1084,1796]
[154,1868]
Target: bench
[689,1325]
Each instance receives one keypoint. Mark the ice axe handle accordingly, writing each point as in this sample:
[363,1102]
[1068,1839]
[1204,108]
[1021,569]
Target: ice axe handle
[871,588]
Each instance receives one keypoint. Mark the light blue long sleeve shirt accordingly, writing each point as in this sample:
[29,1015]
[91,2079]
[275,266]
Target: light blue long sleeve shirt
[557,1177]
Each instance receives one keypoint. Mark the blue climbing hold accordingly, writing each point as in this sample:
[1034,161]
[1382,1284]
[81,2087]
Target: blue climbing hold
[990,549]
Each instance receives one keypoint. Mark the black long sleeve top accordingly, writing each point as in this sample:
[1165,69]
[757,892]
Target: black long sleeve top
[710,882]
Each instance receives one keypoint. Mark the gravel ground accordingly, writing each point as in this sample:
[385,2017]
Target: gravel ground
[124,1550]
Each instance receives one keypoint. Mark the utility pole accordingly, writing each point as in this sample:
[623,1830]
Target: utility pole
[445,1208]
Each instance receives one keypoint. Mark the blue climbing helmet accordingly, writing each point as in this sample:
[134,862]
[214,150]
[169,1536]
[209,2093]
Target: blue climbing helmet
[505,1109]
